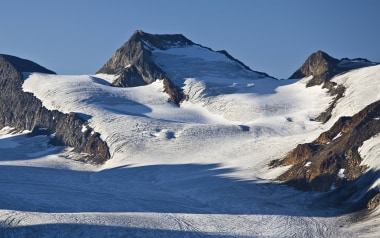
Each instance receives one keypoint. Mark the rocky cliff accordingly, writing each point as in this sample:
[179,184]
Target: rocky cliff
[23,111]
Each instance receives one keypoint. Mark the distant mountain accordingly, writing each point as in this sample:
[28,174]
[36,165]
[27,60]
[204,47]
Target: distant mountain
[323,67]
[135,65]
[23,111]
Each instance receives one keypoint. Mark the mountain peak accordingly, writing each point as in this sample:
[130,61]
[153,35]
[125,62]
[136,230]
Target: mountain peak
[160,41]
[137,50]
[323,67]
[134,65]
[319,64]
[137,62]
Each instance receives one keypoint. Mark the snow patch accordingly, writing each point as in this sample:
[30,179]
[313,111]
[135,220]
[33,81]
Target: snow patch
[337,136]
[370,151]
[359,93]
[84,128]
[341,174]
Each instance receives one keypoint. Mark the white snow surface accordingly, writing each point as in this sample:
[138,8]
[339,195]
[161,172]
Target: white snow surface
[198,170]
[362,88]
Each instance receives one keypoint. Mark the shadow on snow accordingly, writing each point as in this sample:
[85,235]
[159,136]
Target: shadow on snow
[185,188]
[26,147]
[83,230]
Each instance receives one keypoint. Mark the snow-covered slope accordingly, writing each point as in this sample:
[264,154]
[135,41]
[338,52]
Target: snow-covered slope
[175,172]
[139,122]
[200,169]
[362,88]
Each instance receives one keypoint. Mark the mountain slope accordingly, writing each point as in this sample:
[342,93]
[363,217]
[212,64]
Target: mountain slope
[25,112]
[198,168]
[333,159]
[322,68]
[136,64]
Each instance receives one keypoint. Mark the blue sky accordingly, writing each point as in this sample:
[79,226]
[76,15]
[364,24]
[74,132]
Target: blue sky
[273,36]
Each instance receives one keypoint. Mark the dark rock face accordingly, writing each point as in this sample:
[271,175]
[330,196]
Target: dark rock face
[25,112]
[317,165]
[321,65]
[135,66]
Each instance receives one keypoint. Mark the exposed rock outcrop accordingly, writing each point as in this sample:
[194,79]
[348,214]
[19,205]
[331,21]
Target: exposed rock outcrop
[374,199]
[23,111]
[135,67]
[333,158]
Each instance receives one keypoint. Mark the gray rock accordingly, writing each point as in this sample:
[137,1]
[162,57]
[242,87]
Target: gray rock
[24,111]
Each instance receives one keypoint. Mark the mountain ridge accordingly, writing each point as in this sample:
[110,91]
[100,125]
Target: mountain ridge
[23,111]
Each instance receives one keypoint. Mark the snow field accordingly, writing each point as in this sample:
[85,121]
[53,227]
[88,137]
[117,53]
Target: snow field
[195,170]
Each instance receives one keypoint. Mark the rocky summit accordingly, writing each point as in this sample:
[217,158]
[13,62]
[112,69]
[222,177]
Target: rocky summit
[134,65]
[323,67]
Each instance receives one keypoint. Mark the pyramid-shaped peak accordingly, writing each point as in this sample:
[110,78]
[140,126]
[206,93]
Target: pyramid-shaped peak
[317,64]
[321,55]
[160,41]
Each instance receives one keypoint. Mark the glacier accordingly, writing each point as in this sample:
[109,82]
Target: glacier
[197,170]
